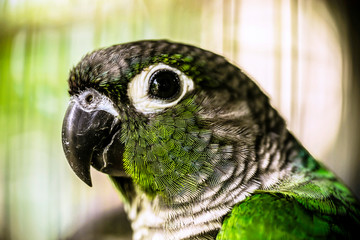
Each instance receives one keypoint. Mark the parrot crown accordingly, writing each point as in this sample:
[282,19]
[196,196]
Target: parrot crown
[112,68]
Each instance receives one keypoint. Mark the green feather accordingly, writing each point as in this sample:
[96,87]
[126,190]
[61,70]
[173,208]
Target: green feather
[161,155]
[275,216]
[310,204]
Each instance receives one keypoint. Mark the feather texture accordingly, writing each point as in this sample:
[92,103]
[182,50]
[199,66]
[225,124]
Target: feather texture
[216,162]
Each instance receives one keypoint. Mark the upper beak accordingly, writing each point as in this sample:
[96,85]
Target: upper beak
[90,136]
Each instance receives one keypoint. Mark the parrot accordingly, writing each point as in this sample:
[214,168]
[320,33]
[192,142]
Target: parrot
[196,150]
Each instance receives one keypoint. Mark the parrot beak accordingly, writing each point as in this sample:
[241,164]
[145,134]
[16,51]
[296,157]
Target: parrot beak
[91,136]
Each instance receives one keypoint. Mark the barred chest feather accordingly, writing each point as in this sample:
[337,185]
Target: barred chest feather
[199,217]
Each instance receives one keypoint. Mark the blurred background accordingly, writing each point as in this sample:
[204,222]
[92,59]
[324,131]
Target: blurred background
[304,55]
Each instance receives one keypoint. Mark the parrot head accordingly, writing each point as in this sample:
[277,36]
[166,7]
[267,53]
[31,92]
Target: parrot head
[167,118]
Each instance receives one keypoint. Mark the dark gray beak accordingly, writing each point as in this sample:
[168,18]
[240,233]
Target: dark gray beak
[91,136]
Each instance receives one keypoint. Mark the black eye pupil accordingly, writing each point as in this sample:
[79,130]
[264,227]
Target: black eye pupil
[164,84]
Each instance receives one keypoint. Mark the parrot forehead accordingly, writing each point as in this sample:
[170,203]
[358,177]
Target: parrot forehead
[109,70]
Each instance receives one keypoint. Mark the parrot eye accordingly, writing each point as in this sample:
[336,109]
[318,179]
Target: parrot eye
[164,84]
[158,87]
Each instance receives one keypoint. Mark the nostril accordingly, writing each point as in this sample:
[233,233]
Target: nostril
[89,98]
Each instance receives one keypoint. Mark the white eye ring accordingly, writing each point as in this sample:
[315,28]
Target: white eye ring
[138,90]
